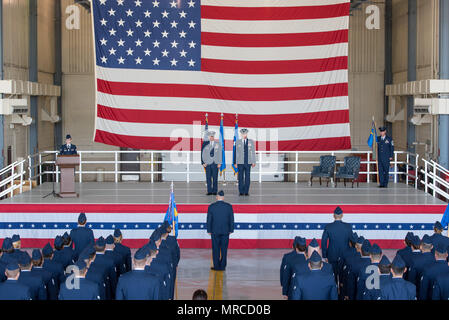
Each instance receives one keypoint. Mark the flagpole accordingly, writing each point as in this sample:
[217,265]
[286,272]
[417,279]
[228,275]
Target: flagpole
[375,151]
[224,150]
[170,204]
[235,164]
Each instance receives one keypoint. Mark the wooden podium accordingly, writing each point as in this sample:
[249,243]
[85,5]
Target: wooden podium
[67,163]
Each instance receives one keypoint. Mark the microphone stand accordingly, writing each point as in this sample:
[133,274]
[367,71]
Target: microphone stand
[53,192]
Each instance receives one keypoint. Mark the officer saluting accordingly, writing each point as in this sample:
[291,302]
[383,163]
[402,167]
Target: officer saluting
[211,155]
[220,224]
[245,150]
[68,148]
[385,153]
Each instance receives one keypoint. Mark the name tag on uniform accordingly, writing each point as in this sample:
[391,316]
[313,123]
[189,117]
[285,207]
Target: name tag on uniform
[386,141]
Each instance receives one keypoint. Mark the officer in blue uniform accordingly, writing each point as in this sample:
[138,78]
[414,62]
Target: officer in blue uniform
[67,247]
[95,274]
[106,264]
[12,289]
[432,271]
[335,239]
[414,255]
[8,252]
[385,154]
[138,284]
[220,224]
[160,270]
[398,288]
[60,255]
[314,246]
[420,262]
[384,278]
[355,268]
[211,158]
[406,252]
[172,242]
[245,158]
[343,263]
[47,277]
[84,290]
[364,273]
[81,235]
[441,287]
[68,148]
[289,260]
[36,283]
[121,249]
[119,263]
[437,236]
[17,244]
[54,267]
[316,284]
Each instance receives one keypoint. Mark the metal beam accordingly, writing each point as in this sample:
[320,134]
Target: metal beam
[411,69]
[443,120]
[2,120]
[58,72]
[33,75]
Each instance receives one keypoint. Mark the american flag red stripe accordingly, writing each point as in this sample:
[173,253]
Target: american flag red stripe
[279,65]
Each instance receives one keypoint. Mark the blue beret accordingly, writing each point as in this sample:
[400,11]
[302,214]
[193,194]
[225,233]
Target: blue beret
[152,246]
[47,250]
[15,238]
[117,233]
[24,259]
[81,264]
[58,241]
[398,262]
[68,136]
[426,239]
[36,254]
[100,242]
[438,225]
[366,246]
[440,248]
[314,243]
[12,266]
[315,257]
[140,254]
[65,236]
[360,240]
[221,193]
[384,261]
[409,236]
[416,241]
[109,239]
[82,218]
[7,244]
[338,211]
[375,249]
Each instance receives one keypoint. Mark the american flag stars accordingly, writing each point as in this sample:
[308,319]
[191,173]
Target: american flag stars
[148,34]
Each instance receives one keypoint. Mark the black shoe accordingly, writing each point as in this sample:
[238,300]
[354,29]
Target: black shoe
[214,193]
[209,193]
[246,194]
[241,194]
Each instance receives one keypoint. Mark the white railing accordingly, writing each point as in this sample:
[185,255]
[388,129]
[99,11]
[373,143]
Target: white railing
[298,162]
[435,179]
[9,175]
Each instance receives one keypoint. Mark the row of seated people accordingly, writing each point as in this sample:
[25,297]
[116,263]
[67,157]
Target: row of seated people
[418,271]
[80,268]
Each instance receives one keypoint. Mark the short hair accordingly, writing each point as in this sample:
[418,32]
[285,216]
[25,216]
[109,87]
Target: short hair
[199,294]
[416,247]
[139,263]
[426,246]
[383,269]
[441,255]
[48,255]
[301,248]
[12,273]
[100,249]
[365,253]
[316,265]
[37,263]
[59,247]
[376,256]
[397,270]
[25,266]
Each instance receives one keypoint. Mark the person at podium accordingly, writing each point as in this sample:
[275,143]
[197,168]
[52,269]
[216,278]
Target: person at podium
[68,148]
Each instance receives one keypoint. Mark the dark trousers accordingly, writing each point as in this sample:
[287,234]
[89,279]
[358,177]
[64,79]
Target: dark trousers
[384,172]
[244,176]
[212,178]
[220,244]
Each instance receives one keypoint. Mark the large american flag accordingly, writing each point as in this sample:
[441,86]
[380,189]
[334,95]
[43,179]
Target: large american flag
[281,65]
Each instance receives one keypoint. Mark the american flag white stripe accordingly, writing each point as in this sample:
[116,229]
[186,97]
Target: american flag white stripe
[270,3]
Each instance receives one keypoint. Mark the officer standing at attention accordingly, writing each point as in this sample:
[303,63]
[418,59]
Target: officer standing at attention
[12,289]
[335,239]
[245,150]
[384,277]
[316,284]
[398,288]
[437,236]
[220,224]
[385,153]
[289,260]
[211,156]
[138,284]
[81,236]
[121,249]
[86,290]
[68,148]
[432,271]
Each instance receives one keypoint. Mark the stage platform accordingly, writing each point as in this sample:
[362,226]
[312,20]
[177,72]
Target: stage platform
[270,217]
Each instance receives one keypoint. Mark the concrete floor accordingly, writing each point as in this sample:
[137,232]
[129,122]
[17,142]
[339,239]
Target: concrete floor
[260,193]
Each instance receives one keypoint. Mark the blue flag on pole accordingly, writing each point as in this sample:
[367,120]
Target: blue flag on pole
[445,219]
[172,213]
[372,135]
[236,135]
[223,157]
